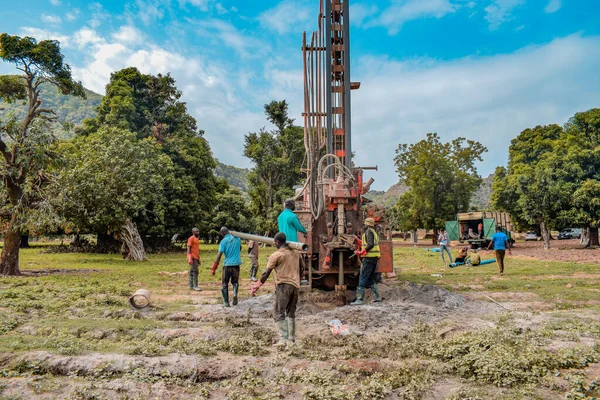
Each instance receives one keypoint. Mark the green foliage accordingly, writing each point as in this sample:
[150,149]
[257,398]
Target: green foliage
[98,187]
[236,177]
[277,157]
[232,211]
[442,178]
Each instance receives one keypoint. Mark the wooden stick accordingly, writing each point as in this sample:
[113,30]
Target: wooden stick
[490,299]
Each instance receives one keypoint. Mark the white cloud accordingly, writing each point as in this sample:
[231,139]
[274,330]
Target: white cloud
[55,2]
[359,13]
[500,11]
[489,99]
[553,6]
[41,34]
[224,33]
[72,15]
[51,19]
[399,12]
[287,16]
[150,10]
[98,15]
[220,9]
[128,34]
[201,4]
[86,36]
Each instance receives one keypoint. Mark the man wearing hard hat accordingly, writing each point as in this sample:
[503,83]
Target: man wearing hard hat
[369,253]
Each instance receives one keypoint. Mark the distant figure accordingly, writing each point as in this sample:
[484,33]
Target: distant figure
[462,255]
[289,223]
[231,247]
[474,258]
[445,246]
[480,230]
[253,256]
[500,243]
[370,256]
[193,258]
[284,262]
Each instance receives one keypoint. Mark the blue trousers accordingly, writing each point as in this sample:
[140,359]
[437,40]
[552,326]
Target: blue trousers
[367,272]
[445,248]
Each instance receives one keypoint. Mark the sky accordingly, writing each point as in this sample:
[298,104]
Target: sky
[481,69]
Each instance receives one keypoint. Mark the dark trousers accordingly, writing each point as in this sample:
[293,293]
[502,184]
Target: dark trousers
[286,299]
[230,274]
[500,260]
[367,272]
[194,273]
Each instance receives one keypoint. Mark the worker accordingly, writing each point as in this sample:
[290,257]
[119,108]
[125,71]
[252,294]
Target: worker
[193,258]
[500,243]
[253,256]
[290,225]
[474,258]
[445,245]
[231,247]
[480,230]
[462,255]
[370,256]
[287,284]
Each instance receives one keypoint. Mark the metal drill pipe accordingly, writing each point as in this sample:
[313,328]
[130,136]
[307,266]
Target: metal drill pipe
[268,240]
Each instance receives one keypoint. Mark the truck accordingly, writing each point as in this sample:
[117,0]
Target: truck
[465,228]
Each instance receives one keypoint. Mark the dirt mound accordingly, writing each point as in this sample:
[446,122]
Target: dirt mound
[430,295]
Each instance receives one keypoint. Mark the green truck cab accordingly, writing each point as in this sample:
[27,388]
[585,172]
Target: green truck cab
[465,228]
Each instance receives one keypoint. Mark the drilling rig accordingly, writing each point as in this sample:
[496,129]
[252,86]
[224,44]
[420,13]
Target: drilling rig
[330,204]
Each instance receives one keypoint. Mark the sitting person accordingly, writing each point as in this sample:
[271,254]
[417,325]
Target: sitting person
[462,254]
[474,258]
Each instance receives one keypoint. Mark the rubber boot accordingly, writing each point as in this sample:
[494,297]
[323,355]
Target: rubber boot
[360,295]
[376,294]
[235,293]
[191,279]
[283,332]
[292,329]
[225,293]
[195,281]
[253,271]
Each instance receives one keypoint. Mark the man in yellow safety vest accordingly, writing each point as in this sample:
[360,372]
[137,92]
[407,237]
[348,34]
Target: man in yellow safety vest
[369,253]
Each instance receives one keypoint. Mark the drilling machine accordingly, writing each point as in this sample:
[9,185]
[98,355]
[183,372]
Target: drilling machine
[330,204]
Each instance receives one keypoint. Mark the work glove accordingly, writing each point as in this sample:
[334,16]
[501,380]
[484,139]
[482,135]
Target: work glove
[360,253]
[190,259]
[214,268]
[255,287]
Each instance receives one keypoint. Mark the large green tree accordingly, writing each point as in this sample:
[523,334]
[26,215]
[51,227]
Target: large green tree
[150,106]
[442,178]
[277,156]
[24,142]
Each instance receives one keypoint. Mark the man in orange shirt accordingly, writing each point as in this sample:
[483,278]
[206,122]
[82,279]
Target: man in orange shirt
[193,258]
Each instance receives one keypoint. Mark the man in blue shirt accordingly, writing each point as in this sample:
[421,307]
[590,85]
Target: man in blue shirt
[500,243]
[289,223]
[231,247]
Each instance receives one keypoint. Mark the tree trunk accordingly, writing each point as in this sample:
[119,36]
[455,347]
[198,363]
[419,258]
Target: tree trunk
[107,243]
[593,237]
[24,241]
[415,236]
[545,235]
[133,246]
[9,265]
[435,237]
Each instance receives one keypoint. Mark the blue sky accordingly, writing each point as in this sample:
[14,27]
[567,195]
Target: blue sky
[481,69]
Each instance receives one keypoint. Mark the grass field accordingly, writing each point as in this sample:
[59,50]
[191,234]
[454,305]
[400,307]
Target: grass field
[75,306]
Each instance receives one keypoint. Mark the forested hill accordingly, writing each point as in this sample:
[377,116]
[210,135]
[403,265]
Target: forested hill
[479,201]
[237,177]
[67,108]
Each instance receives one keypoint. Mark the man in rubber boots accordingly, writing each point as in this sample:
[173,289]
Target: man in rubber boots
[285,263]
[193,258]
[231,247]
[289,224]
[370,256]
[253,256]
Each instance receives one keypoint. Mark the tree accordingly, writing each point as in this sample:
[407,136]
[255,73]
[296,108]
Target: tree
[100,189]
[442,178]
[277,156]
[150,106]
[232,211]
[23,144]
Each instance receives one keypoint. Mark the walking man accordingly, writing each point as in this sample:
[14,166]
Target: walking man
[285,263]
[500,243]
[253,256]
[193,258]
[445,246]
[370,256]
[231,247]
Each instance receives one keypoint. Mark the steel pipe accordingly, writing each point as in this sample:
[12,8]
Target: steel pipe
[268,240]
